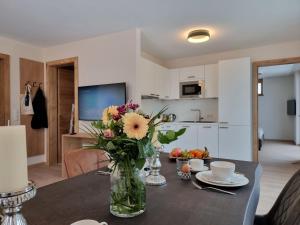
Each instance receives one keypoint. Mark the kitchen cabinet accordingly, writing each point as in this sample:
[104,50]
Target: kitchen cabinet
[235,91]
[147,78]
[211,80]
[164,128]
[189,139]
[193,73]
[208,135]
[173,83]
[235,142]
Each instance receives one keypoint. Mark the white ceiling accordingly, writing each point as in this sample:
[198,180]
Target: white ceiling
[278,70]
[234,24]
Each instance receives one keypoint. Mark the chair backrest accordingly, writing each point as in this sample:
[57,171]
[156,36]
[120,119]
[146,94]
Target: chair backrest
[286,210]
[80,161]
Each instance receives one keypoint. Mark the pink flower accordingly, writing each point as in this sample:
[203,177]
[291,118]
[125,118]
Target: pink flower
[122,109]
[108,133]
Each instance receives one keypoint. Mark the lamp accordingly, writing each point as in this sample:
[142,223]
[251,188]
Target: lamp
[198,36]
[14,186]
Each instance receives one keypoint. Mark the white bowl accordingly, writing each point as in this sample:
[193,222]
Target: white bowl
[222,170]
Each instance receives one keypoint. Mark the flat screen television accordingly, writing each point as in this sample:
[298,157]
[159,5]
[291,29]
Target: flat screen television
[291,107]
[94,99]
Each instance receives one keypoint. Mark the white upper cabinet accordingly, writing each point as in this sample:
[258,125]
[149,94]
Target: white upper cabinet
[152,79]
[235,91]
[173,83]
[189,139]
[193,73]
[211,80]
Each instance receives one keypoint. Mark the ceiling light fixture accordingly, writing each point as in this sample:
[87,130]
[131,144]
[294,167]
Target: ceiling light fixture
[198,36]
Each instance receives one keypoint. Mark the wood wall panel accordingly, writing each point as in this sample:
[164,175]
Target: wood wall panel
[5,89]
[32,71]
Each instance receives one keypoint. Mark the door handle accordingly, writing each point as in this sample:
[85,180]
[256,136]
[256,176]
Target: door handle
[224,127]
[223,122]
[207,127]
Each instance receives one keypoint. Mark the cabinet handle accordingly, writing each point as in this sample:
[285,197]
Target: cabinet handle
[185,126]
[207,127]
[224,127]
[191,76]
[223,122]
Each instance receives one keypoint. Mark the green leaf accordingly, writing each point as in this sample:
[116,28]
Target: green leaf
[170,136]
[110,146]
[139,163]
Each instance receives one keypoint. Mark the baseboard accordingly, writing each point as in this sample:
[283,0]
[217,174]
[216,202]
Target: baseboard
[281,140]
[35,160]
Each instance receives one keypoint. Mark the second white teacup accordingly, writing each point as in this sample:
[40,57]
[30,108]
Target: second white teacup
[222,170]
[196,164]
[89,222]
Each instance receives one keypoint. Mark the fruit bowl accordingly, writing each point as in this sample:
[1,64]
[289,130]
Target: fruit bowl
[189,154]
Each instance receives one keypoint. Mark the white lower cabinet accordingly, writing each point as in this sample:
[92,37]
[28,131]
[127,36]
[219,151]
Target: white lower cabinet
[208,137]
[234,142]
[189,139]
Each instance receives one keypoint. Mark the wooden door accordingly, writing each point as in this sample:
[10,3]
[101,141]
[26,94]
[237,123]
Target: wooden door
[64,101]
[4,90]
[32,71]
[2,105]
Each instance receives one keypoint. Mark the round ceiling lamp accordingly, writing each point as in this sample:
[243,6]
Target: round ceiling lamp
[198,36]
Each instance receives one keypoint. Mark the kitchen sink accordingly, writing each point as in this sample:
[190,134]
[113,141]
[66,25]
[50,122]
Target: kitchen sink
[201,121]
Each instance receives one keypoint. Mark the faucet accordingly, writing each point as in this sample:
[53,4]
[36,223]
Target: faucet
[199,111]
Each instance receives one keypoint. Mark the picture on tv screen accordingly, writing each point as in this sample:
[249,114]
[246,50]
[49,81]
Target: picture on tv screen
[93,100]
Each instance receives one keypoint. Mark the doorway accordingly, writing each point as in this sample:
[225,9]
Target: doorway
[5,89]
[62,92]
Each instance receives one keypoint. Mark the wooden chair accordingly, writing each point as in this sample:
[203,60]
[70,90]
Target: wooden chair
[286,210]
[81,161]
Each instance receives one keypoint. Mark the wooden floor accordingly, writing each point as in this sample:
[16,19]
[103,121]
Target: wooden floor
[278,159]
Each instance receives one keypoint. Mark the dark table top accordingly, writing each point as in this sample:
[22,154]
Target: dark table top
[177,202]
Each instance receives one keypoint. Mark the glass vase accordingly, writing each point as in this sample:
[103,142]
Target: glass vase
[128,192]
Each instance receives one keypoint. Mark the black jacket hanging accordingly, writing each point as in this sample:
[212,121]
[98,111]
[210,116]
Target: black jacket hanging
[39,119]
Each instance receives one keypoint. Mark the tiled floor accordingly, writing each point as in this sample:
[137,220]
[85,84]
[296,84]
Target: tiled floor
[279,161]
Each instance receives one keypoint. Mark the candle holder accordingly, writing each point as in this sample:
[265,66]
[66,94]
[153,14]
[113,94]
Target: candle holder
[11,205]
[155,178]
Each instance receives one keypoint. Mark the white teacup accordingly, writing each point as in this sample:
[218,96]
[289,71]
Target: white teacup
[89,222]
[222,170]
[196,164]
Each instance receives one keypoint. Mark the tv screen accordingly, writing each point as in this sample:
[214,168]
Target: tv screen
[291,107]
[93,100]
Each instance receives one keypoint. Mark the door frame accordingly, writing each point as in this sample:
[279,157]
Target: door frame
[51,70]
[255,66]
[6,86]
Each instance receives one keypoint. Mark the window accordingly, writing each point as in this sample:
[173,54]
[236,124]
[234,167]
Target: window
[260,87]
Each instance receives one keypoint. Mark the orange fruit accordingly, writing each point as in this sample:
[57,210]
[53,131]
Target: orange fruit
[185,168]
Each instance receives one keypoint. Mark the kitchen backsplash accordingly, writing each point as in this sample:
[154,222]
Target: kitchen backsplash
[182,108]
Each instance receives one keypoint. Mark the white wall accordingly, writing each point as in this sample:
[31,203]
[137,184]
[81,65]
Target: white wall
[17,50]
[275,51]
[297,97]
[105,59]
[273,116]
[182,108]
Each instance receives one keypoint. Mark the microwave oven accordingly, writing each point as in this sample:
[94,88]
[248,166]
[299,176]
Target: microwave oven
[192,89]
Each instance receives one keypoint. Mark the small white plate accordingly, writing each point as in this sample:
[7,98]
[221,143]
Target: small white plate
[204,168]
[237,180]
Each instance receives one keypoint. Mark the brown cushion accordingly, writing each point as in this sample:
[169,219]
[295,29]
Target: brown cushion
[80,161]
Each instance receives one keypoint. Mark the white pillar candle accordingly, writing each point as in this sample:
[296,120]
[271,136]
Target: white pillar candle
[13,159]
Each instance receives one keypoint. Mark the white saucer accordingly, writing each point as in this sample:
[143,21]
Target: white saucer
[195,170]
[237,180]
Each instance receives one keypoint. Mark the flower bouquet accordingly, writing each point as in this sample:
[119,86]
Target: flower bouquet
[129,136]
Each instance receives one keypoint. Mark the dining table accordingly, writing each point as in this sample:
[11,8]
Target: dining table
[177,202]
